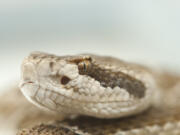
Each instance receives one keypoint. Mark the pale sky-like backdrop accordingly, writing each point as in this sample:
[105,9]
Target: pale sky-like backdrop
[143,31]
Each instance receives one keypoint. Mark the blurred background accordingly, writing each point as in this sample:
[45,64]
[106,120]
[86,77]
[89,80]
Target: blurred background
[143,31]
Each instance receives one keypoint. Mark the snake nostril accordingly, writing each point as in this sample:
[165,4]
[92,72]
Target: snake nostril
[65,80]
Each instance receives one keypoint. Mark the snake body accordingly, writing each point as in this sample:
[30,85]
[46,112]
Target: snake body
[98,86]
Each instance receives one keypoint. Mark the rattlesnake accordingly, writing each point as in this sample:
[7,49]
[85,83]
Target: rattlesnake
[125,98]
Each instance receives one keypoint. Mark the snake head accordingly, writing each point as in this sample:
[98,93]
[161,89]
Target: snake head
[44,76]
[83,84]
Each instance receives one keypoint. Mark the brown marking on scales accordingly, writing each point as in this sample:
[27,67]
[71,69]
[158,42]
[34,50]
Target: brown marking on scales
[109,78]
[79,59]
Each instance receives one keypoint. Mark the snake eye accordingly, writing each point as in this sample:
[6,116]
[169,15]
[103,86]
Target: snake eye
[65,80]
[84,66]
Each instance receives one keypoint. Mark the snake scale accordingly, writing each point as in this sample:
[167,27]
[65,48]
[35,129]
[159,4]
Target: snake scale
[112,96]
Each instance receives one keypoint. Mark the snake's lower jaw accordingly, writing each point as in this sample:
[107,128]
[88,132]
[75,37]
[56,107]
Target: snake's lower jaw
[29,90]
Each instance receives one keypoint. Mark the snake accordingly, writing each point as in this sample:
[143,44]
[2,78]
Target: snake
[103,88]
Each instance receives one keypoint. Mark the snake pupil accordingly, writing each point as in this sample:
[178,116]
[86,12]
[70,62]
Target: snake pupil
[65,80]
[84,66]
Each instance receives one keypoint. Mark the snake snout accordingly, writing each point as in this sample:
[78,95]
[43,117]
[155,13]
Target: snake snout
[28,83]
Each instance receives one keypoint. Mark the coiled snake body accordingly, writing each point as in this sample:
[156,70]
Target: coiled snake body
[103,87]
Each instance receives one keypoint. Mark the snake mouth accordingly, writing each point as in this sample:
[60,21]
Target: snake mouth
[25,82]
[29,88]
